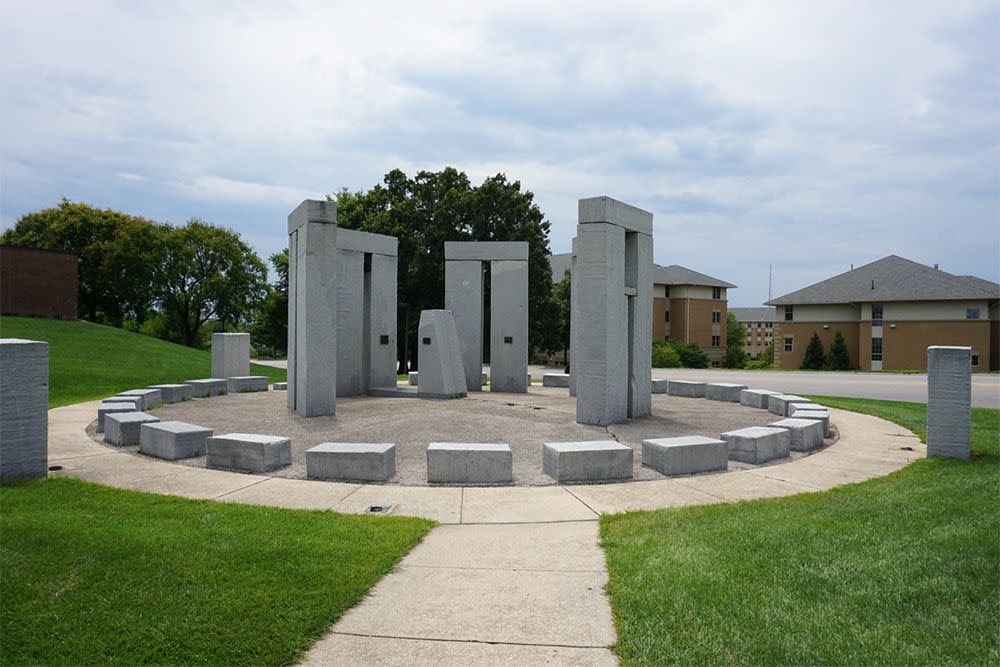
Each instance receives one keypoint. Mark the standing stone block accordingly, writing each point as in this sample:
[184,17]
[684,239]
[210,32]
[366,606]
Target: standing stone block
[804,434]
[820,414]
[382,308]
[413,378]
[574,307]
[592,461]
[207,387]
[249,383]
[469,463]
[351,340]
[173,393]
[173,440]
[24,398]
[360,461]
[248,452]
[463,296]
[686,388]
[659,386]
[757,444]
[555,380]
[949,401]
[509,325]
[123,429]
[724,391]
[151,398]
[442,374]
[111,408]
[230,354]
[756,398]
[685,455]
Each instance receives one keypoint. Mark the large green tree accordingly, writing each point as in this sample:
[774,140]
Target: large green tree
[736,333]
[271,326]
[838,359]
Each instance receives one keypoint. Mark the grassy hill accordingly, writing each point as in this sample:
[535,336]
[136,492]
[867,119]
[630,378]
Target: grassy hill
[89,361]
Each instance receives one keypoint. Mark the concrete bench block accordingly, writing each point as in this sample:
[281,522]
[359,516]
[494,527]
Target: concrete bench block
[173,440]
[123,428]
[659,386]
[804,434]
[248,452]
[24,396]
[592,461]
[246,383]
[105,409]
[685,455]
[756,398]
[152,398]
[724,391]
[757,444]
[686,388]
[138,402]
[820,414]
[469,463]
[778,403]
[280,386]
[799,404]
[230,354]
[555,380]
[207,387]
[173,393]
[362,461]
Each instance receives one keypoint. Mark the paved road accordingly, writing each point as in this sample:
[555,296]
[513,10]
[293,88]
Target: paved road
[888,386]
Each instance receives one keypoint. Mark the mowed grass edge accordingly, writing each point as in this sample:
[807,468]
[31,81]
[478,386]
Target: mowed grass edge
[903,569]
[95,575]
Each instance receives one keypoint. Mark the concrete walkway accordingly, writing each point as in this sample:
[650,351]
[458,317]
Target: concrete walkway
[515,574]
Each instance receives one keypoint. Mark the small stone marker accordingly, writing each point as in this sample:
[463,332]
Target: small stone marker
[659,386]
[248,452]
[173,393]
[123,429]
[246,383]
[555,380]
[207,387]
[686,388]
[469,463]
[24,397]
[757,444]
[361,461]
[949,401]
[106,408]
[173,440]
[803,434]
[724,391]
[587,461]
[685,455]
[756,398]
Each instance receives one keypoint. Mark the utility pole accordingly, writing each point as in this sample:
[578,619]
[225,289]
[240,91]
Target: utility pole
[769,274]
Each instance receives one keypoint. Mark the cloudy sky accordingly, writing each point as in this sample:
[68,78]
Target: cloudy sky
[807,135]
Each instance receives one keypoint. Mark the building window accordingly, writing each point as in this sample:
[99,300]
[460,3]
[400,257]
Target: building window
[716,292]
[666,291]
[876,314]
[972,313]
[788,343]
[788,313]
[715,341]
[876,349]
[666,316]
[716,316]
[975,360]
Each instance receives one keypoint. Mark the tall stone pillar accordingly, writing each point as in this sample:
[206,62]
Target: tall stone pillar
[441,371]
[383,309]
[572,326]
[949,401]
[463,296]
[312,308]
[509,326]
[24,405]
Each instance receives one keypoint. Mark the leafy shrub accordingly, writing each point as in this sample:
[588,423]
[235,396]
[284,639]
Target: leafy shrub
[690,354]
[815,357]
[665,356]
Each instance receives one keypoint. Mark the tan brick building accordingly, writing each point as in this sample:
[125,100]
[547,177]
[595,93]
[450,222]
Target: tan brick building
[759,323]
[889,312]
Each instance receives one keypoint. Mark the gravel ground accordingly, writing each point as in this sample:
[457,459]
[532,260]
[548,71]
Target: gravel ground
[524,421]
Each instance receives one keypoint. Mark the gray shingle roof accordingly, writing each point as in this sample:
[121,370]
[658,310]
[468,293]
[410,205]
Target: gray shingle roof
[662,275]
[762,314]
[895,279]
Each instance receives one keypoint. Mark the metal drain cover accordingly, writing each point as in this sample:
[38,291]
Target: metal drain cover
[378,509]
[55,467]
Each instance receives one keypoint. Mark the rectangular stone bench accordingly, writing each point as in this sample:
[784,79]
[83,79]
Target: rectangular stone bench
[248,452]
[685,455]
[353,461]
[173,393]
[137,401]
[122,429]
[207,387]
[587,461]
[686,388]
[280,386]
[822,414]
[778,403]
[798,404]
[756,398]
[560,380]
[724,391]
[757,444]
[151,397]
[412,378]
[173,440]
[804,434]
[469,463]
[246,383]
[104,409]
[659,386]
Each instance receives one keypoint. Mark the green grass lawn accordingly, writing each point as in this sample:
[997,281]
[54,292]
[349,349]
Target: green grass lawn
[89,361]
[904,569]
[95,575]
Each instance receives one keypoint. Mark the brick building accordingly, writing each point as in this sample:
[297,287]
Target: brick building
[759,323]
[40,283]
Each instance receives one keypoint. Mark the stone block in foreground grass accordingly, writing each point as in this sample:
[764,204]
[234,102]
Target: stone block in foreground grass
[207,387]
[804,434]
[756,398]
[173,440]
[361,461]
[659,386]
[591,461]
[105,409]
[724,391]
[949,401]
[757,444]
[24,395]
[123,429]
[173,393]
[152,398]
[685,455]
[248,452]
[469,463]
[687,388]
[560,380]
[246,383]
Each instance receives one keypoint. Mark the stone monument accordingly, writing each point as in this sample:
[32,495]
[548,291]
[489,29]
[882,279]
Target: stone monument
[230,355]
[24,405]
[442,374]
[949,401]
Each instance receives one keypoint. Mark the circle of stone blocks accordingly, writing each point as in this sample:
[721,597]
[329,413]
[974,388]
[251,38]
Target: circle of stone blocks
[138,402]
[152,398]
[361,461]
[111,408]
[778,403]
[818,413]
[659,386]
[123,429]
[173,440]
[591,461]
[246,383]
[412,378]
[469,463]
[756,398]
[724,391]
[248,452]
[757,444]
[173,393]
[949,401]
[555,380]
[804,434]
[685,455]
[24,396]
[280,386]
[687,388]
[207,387]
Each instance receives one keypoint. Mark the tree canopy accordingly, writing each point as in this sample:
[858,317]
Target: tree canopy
[736,333]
